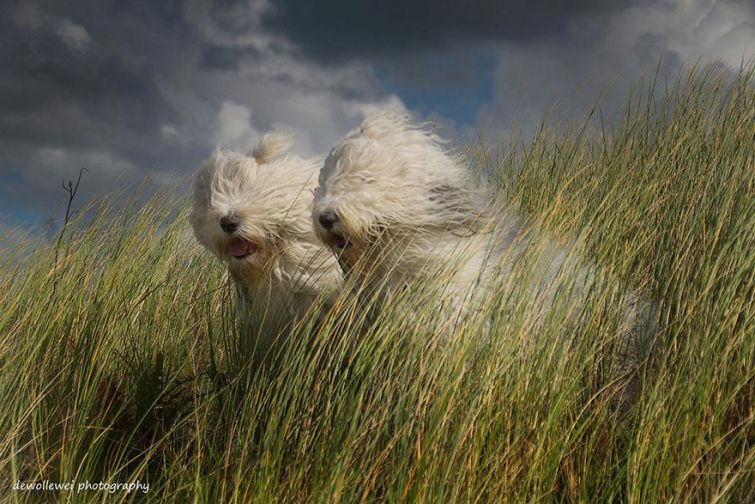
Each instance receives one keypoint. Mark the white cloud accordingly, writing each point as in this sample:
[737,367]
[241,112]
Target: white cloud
[235,106]
[709,30]
[73,35]
[533,77]
[275,88]
[169,132]
[50,156]
[53,164]
[706,29]
[28,16]
[234,126]
[238,26]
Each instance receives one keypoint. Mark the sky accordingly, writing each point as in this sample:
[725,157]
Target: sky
[134,88]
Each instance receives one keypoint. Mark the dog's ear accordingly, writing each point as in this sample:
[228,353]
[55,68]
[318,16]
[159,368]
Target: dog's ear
[272,144]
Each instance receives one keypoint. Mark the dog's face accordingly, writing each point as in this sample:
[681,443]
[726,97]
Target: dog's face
[243,211]
[384,183]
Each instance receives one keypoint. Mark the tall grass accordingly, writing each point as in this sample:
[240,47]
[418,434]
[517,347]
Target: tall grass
[122,359]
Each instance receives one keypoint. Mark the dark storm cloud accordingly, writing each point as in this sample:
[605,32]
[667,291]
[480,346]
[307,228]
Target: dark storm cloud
[74,81]
[80,88]
[438,55]
[219,57]
[131,88]
[347,28]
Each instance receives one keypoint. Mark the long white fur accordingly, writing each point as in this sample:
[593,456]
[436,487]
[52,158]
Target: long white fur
[400,195]
[406,208]
[270,191]
[393,183]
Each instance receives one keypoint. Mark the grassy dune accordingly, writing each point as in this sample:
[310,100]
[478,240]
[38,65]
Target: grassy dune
[120,358]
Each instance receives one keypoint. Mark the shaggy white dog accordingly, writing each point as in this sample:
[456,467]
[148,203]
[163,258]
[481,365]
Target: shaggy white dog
[395,206]
[253,212]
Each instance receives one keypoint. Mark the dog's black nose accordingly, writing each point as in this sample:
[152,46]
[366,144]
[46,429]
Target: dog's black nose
[327,218]
[229,223]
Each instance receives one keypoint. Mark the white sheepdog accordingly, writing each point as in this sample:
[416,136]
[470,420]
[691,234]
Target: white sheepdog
[394,205]
[253,212]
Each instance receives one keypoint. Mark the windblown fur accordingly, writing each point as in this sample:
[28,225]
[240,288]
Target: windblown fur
[403,204]
[268,244]
[398,206]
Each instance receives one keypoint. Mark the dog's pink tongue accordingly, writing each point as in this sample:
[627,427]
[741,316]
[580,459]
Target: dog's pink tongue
[238,248]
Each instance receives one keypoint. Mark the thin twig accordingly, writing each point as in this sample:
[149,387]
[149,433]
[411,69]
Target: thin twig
[71,190]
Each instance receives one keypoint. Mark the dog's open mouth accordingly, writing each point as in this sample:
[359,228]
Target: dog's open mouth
[337,241]
[239,248]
